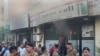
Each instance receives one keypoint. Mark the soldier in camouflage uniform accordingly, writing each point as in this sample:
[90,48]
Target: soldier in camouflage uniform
[56,50]
[86,51]
[44,51]
[70,50]
[30,50]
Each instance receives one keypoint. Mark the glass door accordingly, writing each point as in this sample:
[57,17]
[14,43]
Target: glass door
[74,36]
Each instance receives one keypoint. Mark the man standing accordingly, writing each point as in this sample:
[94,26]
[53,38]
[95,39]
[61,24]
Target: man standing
[21,49]
[7,50]
[13,51]
[39,49]
[86,51]
[62,46]
[56,50]
[30,50]
[25,40]
[70,50]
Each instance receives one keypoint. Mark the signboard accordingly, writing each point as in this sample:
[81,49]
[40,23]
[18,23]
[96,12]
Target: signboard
[40,6]
[87,31]
[63,12]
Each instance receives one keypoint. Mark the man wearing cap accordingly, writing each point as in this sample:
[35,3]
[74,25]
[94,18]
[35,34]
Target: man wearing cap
[70,50]
[30,50]
[86,51]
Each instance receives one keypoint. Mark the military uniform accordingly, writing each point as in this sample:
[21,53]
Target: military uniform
[55,53]
[32,54]
[71,52]
[44,54]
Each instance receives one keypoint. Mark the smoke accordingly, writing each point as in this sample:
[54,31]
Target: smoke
[61,27]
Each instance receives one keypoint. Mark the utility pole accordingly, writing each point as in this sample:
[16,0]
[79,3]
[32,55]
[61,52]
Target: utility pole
[29,29]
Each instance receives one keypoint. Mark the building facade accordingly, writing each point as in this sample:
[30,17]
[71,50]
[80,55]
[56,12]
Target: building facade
[77,20]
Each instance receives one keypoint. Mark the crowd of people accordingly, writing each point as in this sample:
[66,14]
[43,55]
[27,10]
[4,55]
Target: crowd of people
[29,49]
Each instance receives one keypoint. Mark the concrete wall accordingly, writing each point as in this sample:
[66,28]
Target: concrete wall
[1,7]
[17,7]
[97,36]
[97,31]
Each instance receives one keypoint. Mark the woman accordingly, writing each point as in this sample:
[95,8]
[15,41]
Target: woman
[44,51]
[86,51]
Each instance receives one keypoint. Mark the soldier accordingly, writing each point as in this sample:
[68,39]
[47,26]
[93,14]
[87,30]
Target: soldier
[56,50]
[70,50]
[86,51]
[44,51]
[30,50]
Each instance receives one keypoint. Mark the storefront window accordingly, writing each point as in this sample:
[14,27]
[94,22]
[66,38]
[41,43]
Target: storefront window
[1,38]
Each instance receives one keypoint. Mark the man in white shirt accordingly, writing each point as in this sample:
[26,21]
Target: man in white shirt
[24,40]
[7,53]
[21,49]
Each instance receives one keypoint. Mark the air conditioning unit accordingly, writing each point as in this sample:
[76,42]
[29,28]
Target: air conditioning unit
[36,38]
[36,30]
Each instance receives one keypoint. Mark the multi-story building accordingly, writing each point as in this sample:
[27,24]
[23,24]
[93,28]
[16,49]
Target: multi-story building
[78,20]
[19,20]
[15,19]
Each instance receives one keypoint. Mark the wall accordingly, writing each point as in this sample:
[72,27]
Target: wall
[17,7]
[97,36]
[94,7]
[1,16]
[19,22]
[1,6]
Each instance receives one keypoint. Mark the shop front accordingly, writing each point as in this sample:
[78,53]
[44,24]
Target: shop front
[80,32]
[70,20]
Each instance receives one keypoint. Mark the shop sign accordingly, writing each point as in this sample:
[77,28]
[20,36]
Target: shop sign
[94,6]
[63,12]
[45,12]
[39,6]
[87,31]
